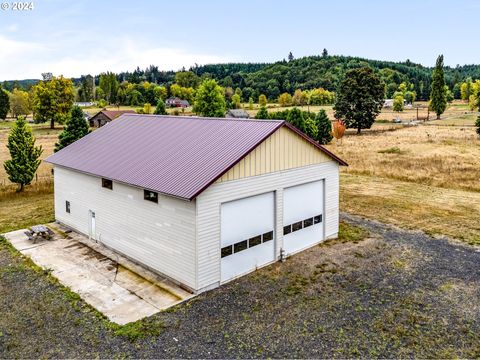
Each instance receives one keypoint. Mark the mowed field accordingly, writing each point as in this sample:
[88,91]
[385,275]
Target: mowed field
[424,177]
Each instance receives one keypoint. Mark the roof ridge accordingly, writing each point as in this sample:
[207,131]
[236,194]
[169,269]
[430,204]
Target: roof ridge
[205,118]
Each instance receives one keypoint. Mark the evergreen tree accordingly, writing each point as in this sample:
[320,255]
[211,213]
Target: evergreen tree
[295,118]
[310,128]
[4,104]
[438,98]
[210,100]
[24,155]
[290,56]
[359,99]
[262,113]
[160,108]
[76,128]
[477,124]
[324,127]
[324,53]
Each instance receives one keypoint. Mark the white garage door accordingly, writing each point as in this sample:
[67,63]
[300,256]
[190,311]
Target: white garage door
[246,234]
[302,216]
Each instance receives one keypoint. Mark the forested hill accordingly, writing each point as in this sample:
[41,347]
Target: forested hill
[325,71]
[303,73]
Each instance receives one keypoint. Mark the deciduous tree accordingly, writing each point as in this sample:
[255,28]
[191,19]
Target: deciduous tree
[53,100]
[285,99]
[398,103]
[20,103]
[262,100]
[109,84]
[360,98]
[25,156]
[77,127]
[438,98]
[210,100]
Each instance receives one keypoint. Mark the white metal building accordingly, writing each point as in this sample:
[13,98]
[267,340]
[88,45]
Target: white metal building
[199,200]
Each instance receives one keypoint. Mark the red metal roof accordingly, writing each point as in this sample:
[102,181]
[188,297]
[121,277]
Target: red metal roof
[174,155]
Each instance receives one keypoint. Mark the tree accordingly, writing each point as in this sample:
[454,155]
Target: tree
[290,56]
[310,128]
[262,113]
[24,155]
[324,127]
[299,97]
[187,79]
[53,100]
[262,100]
[250,103]
[466,89]
[359,98]
[160,108]
[398,103]
[285,99]
[438,99]
[19,103]
[4,104]
[210,100]
[147,108]
[77,127]
[295,118]
[324,53]
[109,85]
[85,90]
[236,101]
[477,124]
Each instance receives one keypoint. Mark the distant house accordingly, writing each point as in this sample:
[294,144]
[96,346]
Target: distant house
[388,103]
[237,114]
[105,116]
[176,102]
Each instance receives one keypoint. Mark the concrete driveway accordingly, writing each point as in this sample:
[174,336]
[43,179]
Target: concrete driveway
[101,277]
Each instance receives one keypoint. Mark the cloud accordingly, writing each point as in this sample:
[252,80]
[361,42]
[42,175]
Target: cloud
[24,60]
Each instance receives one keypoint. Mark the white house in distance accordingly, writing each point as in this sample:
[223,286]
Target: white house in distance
[199,200]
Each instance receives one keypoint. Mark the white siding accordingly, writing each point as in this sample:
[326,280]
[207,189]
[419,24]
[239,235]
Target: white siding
[161,236]
[208,210]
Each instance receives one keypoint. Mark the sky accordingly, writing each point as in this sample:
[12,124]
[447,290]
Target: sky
[78,37]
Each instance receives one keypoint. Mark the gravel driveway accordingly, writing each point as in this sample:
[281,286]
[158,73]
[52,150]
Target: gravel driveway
[395,293]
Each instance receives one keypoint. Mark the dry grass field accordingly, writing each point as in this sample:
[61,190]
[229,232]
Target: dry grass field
[421,177]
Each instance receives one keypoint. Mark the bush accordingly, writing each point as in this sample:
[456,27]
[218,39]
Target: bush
[477,124]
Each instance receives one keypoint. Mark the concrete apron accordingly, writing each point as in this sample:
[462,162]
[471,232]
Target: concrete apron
[120,294]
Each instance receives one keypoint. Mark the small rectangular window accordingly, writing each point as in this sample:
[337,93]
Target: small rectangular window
[317,219]
[227,250]
[240,246]
[297,226]
[150,196]
[287,229]
[67,206]
[307,222]
[267,236]
[107,184]
[254,241]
